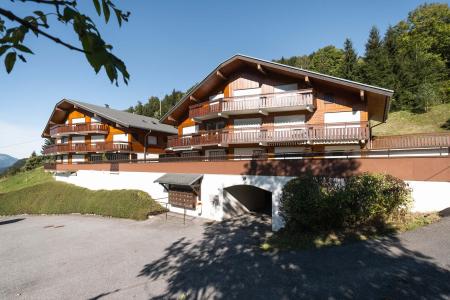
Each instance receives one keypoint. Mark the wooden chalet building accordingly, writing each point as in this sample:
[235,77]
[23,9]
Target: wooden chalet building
[85,132]
[248,107]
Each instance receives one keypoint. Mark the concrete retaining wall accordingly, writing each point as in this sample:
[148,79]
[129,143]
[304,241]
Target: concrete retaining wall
[428,196]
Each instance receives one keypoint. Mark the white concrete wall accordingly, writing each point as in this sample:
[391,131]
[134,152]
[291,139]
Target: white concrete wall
[430,196]
[427,196]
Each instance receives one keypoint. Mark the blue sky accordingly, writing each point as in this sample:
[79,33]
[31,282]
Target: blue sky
[173,44]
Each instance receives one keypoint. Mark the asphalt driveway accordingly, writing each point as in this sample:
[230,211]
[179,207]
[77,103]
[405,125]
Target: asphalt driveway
[80,257]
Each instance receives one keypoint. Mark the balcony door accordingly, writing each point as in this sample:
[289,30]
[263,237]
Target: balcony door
[244,99]
[282,97]
[289,128]
[246,130]
[339,125]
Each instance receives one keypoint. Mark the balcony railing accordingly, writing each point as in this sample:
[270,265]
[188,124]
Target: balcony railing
[300,99]
[417,140]
[82,147]
[319,134]
[82,128]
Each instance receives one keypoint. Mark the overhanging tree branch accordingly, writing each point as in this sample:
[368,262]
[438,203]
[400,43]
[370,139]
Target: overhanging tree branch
[8,14]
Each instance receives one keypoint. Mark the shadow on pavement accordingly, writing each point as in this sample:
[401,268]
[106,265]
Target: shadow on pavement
[227,263]
[11,221]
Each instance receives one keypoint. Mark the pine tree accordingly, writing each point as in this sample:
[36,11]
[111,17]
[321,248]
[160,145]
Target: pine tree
[375,68]
[349,62]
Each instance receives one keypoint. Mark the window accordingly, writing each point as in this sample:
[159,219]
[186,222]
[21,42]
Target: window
[97,139]
[78,120]
[247,92]
[294,120]
[77,139]
[95,157]
[216,97]
[64,140]
[245,123]
[190,130]
[152,140]
[285,88]
[215,125]
[340,117]
[96,120]
[77,158]
[121,138]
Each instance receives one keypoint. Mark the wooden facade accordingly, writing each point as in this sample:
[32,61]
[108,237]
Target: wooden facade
[86,136]
[215,120]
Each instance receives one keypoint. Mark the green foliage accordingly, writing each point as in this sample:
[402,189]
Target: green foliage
[62,198]
[413,59]
[349,65]
[33,162]
[97,51]
[152,107]
[327,60]
[315,204]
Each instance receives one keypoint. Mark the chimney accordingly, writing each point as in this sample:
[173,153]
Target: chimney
[106,105]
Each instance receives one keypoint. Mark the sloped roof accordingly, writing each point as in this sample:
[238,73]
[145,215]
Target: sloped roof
[287,69]
[122,118]
[179,179]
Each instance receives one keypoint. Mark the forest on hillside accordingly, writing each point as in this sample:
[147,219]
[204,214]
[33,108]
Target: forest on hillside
[412,58]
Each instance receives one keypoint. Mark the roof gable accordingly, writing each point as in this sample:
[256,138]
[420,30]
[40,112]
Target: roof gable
[232,64]
[122,118]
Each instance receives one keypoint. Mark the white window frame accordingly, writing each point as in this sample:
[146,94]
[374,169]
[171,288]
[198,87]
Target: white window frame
[78,139]
[78,120]
[189,130]
[121,138]
[247,92]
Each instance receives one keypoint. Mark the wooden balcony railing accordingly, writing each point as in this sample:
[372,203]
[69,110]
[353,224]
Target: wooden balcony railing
[319,133]
[417,140]
[65,129]
[303,98]
[82,147]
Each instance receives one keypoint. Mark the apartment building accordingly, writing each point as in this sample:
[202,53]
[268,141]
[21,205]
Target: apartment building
[249,107]
[84,132]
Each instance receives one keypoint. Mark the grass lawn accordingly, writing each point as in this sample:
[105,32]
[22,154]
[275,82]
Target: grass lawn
[403,122]
[24,179]
[36,192]
[284,240]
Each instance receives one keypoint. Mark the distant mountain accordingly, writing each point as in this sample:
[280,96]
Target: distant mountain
[6,161]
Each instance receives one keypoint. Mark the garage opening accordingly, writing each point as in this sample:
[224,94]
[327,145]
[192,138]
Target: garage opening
[242,199]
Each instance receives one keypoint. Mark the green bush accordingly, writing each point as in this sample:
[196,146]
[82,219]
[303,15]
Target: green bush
[314,204]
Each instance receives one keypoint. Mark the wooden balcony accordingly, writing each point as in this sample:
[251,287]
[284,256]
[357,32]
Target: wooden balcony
[305,134]
[417,140]
[84,148]
[263,103]
[82,128]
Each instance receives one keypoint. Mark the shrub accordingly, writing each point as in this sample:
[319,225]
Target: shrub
[314,204]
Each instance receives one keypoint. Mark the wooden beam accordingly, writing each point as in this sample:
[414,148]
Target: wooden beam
[218,73]
[263,112]
[170,118]
[307,80]
[59,109]
[193,98]
[361,95]
[260,69]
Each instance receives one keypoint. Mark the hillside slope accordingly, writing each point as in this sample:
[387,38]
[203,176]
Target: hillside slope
[6,161]
[403,122]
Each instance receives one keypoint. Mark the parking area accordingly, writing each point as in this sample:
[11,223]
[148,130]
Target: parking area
[86,257]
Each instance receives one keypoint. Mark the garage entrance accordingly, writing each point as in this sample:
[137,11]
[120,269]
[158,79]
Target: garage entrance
[242,199]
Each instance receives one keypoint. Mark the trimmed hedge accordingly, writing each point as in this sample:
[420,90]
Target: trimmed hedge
[62,198]
[314,204]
